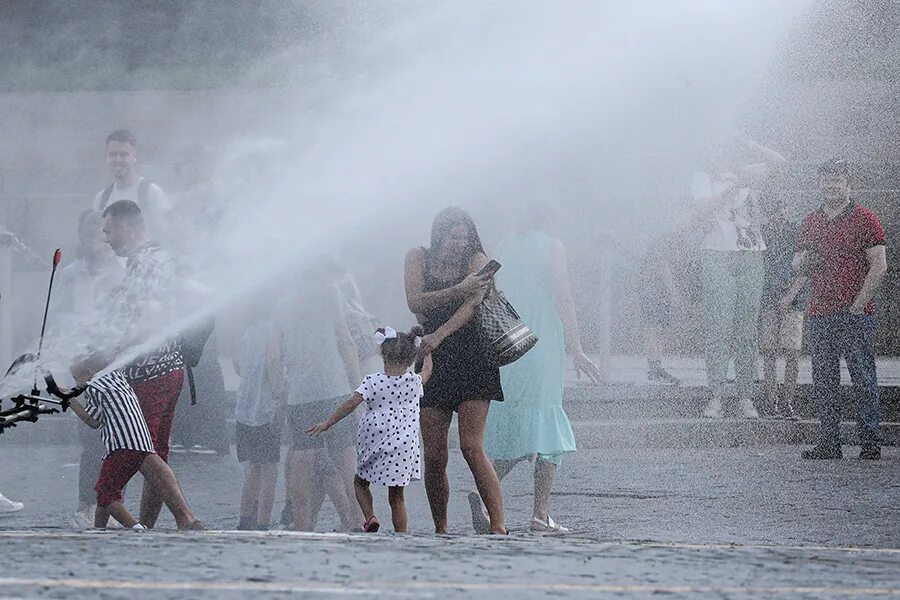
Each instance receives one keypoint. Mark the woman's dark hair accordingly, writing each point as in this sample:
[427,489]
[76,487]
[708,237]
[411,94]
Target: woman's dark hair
[401,350]
[446,220]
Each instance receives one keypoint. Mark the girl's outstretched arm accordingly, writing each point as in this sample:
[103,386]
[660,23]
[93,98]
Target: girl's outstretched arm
[346,407]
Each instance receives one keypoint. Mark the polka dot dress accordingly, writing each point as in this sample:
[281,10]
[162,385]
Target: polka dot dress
[387,443]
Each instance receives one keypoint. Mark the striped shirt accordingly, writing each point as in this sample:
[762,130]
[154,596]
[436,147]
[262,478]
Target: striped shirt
[111,401]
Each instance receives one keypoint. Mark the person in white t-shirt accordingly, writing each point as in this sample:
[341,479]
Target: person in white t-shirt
[313,352]
[128,184]
[727,209]
[82,290]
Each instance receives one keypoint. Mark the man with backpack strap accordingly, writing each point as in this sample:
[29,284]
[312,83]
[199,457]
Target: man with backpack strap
[128,184]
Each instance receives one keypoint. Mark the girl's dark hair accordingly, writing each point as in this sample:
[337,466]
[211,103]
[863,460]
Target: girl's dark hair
[446,220]
[401,350]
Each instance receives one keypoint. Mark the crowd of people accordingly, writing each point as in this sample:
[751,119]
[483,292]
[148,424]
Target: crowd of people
[310,355]
[763,280]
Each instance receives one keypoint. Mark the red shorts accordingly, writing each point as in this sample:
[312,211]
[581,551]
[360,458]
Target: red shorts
[117,470]
[158,398]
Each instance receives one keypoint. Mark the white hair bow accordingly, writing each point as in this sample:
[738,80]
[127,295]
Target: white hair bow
[389,334]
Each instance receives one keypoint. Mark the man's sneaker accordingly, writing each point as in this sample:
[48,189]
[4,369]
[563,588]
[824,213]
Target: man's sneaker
[823,453]
[748,411]
[198,449]
[7,506]
[176,449]
[657,374]
[713,410]
[870,452]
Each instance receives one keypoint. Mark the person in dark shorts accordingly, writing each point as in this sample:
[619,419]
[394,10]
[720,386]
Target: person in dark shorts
[443,288]
[313,351]
[257,426]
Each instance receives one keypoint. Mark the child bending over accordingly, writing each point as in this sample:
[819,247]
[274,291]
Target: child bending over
[112,406]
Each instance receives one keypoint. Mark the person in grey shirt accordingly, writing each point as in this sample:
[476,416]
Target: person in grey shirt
[313,349]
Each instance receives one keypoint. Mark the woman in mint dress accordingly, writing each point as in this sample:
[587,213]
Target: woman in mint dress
[532,422]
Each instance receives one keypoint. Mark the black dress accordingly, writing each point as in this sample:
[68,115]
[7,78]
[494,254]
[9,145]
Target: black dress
[461,371]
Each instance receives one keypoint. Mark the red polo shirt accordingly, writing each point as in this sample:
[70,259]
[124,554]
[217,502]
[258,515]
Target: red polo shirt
[842,242]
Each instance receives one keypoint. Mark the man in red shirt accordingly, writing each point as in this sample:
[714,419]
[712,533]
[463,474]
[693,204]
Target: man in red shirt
[841,248]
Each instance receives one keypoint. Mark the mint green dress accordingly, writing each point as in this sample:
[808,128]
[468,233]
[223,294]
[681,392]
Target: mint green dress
[531,420]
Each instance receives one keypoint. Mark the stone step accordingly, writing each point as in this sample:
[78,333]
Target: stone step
[633,400]
[707,433]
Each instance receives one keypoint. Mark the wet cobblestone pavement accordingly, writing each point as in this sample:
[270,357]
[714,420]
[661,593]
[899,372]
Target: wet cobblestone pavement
[733,522]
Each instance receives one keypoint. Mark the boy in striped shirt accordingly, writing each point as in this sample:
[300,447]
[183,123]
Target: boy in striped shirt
[112,405]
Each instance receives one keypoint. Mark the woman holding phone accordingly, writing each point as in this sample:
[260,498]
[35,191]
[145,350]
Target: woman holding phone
[444,285]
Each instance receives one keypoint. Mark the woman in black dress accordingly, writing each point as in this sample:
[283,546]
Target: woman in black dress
[443,290]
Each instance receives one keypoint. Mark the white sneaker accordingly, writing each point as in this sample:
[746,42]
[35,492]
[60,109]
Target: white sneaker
[713,410]
[548,526]
[748,411]
[7,506]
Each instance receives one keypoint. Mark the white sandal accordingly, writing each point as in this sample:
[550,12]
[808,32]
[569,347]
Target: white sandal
[548,526]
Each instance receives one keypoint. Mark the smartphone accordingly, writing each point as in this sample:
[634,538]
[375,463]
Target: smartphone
[489,269]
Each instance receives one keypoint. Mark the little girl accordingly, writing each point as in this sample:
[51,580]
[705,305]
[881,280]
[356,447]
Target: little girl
[387,441]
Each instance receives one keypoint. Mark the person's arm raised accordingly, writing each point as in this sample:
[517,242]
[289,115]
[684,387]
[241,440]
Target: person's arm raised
[755,175]
[465,312]
[83,414]
[420,301]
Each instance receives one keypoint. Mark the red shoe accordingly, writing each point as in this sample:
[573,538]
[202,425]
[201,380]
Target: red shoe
[371,525]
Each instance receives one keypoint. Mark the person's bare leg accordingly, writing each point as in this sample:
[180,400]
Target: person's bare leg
[435,425]
[544,474]
[121,514]
[472,418]
[791,373]
[101,517]
[364,497]
[303,471]
[652,344]
[770,381]
[160,475]
[250,491]
[504,467]
[151,505]
[398,509]
[347,460]
[268,478]
[335,480]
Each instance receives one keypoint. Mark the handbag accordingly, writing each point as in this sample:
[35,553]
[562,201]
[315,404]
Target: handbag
[501,332]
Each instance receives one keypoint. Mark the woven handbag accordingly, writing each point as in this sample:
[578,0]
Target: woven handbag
[503,335]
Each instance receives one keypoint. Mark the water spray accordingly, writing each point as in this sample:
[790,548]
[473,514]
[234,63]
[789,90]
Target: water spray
[27,407]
